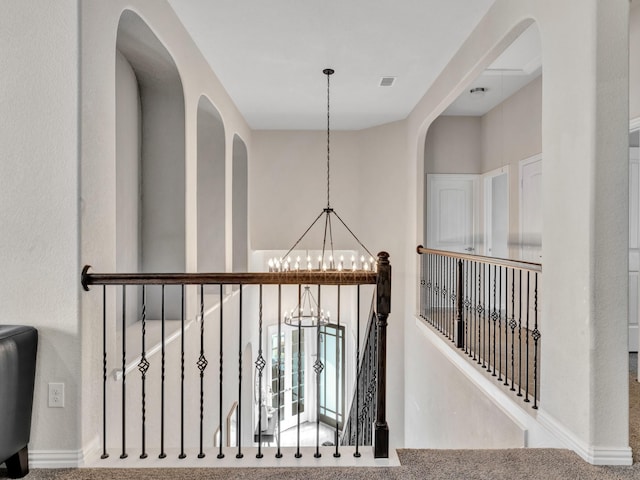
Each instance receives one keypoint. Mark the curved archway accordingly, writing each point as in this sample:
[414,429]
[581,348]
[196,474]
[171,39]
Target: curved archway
[211,188]
[150,163]
[479,142]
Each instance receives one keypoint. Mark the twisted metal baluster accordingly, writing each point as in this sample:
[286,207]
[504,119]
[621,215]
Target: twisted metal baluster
[260,364]
[526,393]
[536,337]
[124,370]
[202,365]
[162,368]
[143,366]
[104,373]
[279,453]
[337,452]
[220,454]
[239,435]
[182,454]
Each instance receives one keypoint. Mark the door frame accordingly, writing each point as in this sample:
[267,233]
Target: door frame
[521,165]
[487,189]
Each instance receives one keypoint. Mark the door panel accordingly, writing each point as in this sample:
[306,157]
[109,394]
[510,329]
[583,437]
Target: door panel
[451,212]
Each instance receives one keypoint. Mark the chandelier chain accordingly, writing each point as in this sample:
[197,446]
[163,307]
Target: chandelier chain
[328,142]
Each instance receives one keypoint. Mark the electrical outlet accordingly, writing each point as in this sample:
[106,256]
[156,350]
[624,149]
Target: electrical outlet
[56,395]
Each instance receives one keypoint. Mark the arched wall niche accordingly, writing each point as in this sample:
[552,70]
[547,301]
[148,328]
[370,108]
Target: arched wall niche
[211,188]
[150,164]
[240,205]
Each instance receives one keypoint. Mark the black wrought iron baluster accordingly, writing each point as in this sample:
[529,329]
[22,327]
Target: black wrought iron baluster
[494,317]
[357,452]
[520,333]
[467,304]
[452,297]
[143,366]
[480,298]
[474,302]
[526,377]
[202,364]
[124,371]
[104,373]
[318,367]
[239,434]
[506,326]
[279,453]
[182,313]
[486,310]
[298,454]
[500,324]
[536,337]
[162,378]
[220,384]
[487,321]
[260,364]
[513,324]
[336,454]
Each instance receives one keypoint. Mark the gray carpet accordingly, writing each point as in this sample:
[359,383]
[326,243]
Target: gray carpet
[532,464]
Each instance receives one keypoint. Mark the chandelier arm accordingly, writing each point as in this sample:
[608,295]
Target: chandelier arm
[353,234]
[324,240]
[331,238]
[302,236]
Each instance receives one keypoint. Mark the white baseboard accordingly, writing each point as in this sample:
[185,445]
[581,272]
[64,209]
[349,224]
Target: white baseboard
[594,455]
[64,458]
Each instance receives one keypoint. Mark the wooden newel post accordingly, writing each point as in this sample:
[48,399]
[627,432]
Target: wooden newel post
[383,308]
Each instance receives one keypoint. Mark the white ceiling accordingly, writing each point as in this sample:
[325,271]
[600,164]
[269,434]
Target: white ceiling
[269,55]
[518,65]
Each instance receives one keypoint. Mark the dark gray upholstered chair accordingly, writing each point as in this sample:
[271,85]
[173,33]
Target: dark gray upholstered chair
[18,347]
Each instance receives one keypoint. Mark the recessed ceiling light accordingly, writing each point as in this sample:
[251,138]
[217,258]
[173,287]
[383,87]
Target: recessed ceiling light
[387,81]
[477,92]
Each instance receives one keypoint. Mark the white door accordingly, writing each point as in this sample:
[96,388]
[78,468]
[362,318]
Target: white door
[451,212]
[496,213]
[634,245]
[531,209]
[293,384]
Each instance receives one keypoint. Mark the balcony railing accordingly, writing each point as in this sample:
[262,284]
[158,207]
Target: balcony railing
[488,308]
[168,418]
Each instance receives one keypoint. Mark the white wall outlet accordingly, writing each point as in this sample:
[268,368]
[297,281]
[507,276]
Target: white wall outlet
[56,395]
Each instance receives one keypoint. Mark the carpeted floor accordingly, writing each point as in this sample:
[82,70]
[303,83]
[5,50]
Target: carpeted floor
[531,464]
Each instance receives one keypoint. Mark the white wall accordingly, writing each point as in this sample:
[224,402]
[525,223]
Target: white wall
[98,27]
[39,202]
[454,145]
[584,122]
[634,60]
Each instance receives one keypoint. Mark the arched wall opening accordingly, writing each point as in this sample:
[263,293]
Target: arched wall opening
[150,163]
[240,206]
[211,188]
[481,146]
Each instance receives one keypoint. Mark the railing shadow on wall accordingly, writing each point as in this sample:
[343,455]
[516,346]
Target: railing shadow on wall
[168,425]
[488,308]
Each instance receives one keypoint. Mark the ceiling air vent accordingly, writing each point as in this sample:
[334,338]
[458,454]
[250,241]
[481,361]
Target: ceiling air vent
[387,81]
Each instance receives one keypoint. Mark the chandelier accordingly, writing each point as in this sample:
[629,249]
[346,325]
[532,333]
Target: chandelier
[307,313]
[327,260]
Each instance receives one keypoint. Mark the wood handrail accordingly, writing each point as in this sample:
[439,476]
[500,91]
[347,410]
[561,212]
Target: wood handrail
[313,277]
[500,262]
